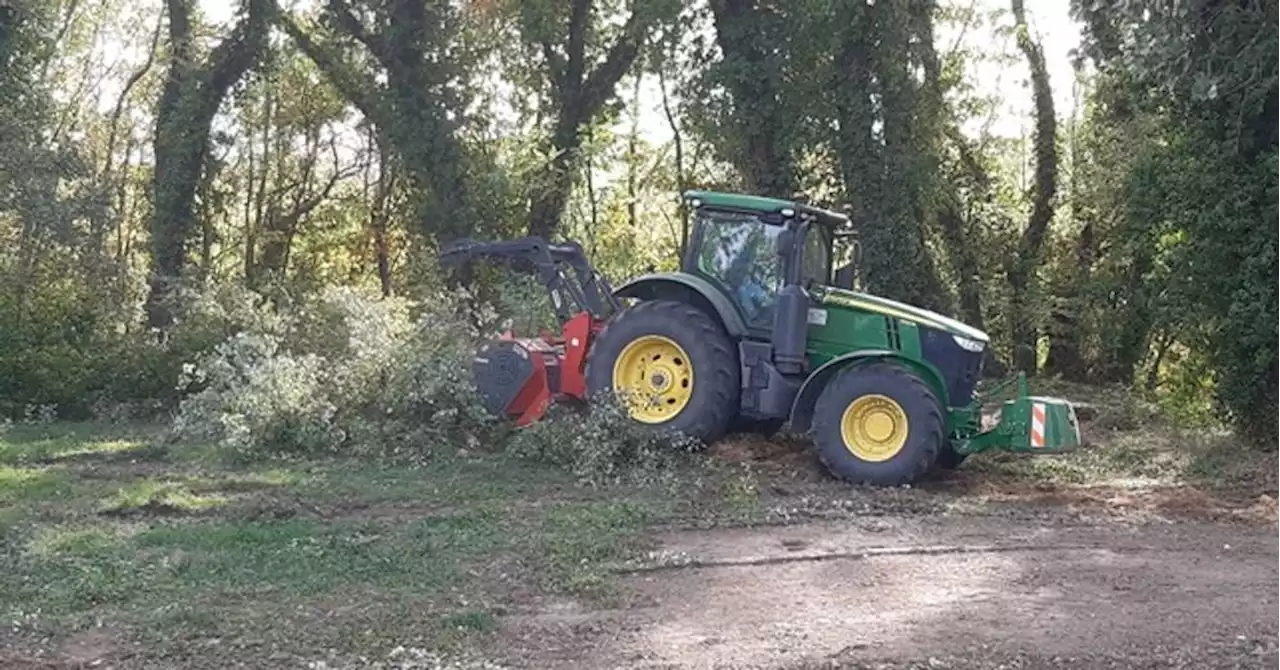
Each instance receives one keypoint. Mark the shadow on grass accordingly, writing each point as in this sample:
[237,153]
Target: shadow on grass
[87,443]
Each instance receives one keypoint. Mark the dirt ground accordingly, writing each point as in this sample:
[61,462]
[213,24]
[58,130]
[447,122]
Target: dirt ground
[929,592]
[1156,552]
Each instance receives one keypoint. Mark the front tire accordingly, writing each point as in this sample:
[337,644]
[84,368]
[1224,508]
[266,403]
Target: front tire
[878,424]
[949,458]
[675,367]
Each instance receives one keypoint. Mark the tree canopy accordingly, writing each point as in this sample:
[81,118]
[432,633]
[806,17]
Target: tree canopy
[151,151]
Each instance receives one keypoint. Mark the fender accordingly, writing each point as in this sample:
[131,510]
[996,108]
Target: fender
[807,398]
[687,288]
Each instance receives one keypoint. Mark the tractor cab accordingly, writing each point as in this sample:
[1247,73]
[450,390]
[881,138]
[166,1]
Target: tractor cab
[749,247]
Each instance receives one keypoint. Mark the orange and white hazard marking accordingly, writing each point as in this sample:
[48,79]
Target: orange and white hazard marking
[1037,424]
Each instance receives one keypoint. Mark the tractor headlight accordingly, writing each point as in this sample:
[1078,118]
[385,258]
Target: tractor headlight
[967,344]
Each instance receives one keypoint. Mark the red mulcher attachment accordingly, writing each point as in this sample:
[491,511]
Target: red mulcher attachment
[520,377]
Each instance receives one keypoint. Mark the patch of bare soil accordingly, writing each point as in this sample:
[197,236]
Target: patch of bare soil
[928,592]
[95,648]
[119,470]
[747,448]
[153,509]
[1173,501]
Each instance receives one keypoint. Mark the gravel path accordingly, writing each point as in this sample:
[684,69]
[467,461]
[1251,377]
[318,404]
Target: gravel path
[938,592]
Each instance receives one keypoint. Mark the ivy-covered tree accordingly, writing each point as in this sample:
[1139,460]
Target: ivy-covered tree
[194,89]
[1197,201]
[405,65]
[888,141]
[580,63]
[1023,265]
[753,38]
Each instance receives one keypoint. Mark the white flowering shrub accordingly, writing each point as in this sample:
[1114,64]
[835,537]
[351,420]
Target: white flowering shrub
[350,373]
[256,396]
[346,372]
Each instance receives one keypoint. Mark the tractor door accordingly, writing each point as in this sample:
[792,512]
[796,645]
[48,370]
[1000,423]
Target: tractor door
[817,256]
[738,252]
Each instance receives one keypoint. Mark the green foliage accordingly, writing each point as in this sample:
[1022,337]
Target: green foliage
[333,163]
[52,218]
[1198,193]
[601,446]
[344,372]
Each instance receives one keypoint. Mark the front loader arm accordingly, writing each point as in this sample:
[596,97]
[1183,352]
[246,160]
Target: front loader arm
[588,292]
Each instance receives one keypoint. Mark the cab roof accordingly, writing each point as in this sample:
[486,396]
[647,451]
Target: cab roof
[756,203]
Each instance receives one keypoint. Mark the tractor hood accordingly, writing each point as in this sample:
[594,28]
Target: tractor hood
[836,297]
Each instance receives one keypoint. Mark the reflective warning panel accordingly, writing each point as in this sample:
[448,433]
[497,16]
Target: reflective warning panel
[1040,424]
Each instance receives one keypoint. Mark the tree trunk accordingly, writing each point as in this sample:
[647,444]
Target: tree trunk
[682,208]
[549,204]
[579,97]
[887,183]
[382,253]
[1066,356]
[1022,268]
[1130,343]
[764,152]
[967,266]
[380,213]
[1163,343]
[188,102]
[179,154]
[859,156]
[593,209]
[633,157]
[257,198]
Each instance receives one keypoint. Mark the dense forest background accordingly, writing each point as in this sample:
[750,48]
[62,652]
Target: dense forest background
[175,174]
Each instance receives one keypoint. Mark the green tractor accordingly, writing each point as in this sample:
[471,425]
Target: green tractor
[760,330]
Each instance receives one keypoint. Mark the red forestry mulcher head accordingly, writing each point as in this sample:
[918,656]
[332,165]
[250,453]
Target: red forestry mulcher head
[519,377]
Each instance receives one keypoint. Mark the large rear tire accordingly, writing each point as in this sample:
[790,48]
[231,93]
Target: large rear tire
[878,424]
[675,367]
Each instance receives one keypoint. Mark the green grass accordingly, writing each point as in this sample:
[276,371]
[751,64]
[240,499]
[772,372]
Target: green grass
[174,547]
[39,443]
[179,551]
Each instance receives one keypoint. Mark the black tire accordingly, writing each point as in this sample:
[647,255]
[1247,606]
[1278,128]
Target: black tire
[949,458]
[925,425]
[712,357]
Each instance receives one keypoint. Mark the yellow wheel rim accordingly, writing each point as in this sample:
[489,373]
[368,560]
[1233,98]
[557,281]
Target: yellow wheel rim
[874,427]
[654,376]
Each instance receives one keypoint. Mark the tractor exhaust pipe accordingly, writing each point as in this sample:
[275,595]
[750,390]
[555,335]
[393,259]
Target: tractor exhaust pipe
[791,314]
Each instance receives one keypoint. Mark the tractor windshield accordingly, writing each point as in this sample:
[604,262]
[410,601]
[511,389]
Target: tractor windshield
[739,250]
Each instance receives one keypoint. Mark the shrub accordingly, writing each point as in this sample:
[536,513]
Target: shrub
[345,371]
[602,446]
[255,396]
[352,373]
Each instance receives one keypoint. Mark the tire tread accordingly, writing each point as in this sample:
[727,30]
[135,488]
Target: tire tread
[722,360]
[935,426]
